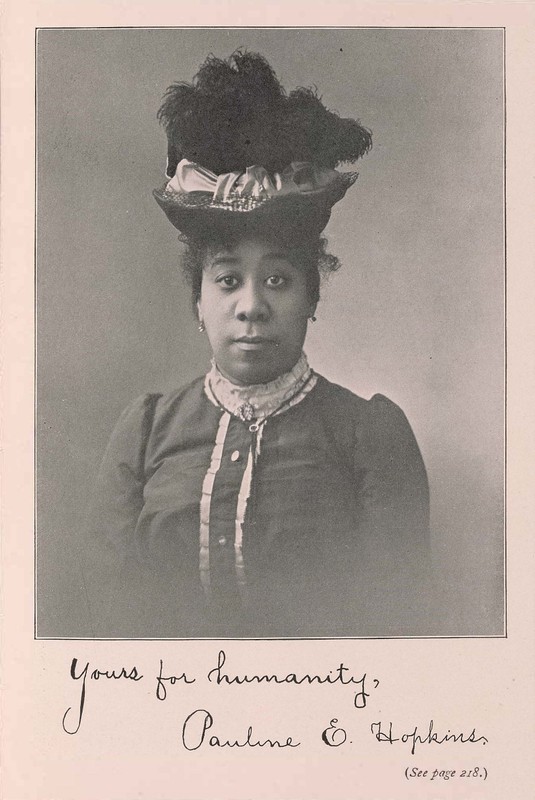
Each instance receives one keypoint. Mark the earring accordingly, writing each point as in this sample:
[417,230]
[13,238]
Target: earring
[312,318]
[201,326]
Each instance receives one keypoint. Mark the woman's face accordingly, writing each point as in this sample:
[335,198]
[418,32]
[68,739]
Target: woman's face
[255,306]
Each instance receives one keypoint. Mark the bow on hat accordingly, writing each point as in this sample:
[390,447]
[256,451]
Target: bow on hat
[300,177]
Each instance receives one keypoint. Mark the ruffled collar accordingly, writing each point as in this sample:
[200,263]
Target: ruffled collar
[262,400]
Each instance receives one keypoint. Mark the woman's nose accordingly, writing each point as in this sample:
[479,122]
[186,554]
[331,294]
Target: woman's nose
[251,304]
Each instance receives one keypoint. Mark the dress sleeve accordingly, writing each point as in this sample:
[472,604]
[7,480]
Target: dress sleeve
[394,510]
[114,510]
[395,492]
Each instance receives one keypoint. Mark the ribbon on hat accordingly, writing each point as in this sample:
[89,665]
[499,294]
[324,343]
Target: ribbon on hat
[299,177]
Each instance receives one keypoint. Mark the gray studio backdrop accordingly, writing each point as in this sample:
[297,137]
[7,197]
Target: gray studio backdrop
[416,313]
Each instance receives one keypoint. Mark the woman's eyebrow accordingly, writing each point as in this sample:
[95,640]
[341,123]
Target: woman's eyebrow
[222,258]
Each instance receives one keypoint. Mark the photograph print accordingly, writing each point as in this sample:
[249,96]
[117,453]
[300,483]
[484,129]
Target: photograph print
[270,333]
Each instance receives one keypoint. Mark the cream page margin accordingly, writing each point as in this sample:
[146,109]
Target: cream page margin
[130,746]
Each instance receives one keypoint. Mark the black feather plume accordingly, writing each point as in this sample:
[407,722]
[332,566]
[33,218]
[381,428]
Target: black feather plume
[235,114]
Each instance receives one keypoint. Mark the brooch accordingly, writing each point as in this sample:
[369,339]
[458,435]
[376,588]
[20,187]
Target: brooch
[246,412]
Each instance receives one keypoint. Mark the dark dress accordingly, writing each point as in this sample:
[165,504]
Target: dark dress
[335,534]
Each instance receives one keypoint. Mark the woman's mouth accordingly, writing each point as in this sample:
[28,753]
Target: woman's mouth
[253,342]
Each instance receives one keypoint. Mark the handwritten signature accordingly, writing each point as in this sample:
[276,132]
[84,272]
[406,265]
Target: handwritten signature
[198,727]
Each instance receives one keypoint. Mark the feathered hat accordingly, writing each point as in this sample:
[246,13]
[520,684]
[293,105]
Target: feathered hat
[243,154]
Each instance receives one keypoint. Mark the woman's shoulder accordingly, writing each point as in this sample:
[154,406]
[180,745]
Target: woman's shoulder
[147,409]
[378,407]
[161,401]
[378,424]
[383,440]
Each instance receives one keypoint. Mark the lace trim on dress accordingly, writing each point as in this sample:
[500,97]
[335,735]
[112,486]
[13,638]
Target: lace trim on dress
[258,401]
[254,405]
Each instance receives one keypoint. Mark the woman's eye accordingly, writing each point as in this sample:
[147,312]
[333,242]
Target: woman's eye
[228,281]
[275,281]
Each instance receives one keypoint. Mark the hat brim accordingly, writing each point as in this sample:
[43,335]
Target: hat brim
[295,214]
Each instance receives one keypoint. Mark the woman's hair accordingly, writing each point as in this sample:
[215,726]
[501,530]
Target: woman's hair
[310,255]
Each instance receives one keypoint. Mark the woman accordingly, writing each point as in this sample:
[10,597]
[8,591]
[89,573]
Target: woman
[260,500]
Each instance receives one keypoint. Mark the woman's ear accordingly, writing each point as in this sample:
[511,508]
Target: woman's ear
[312,312]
